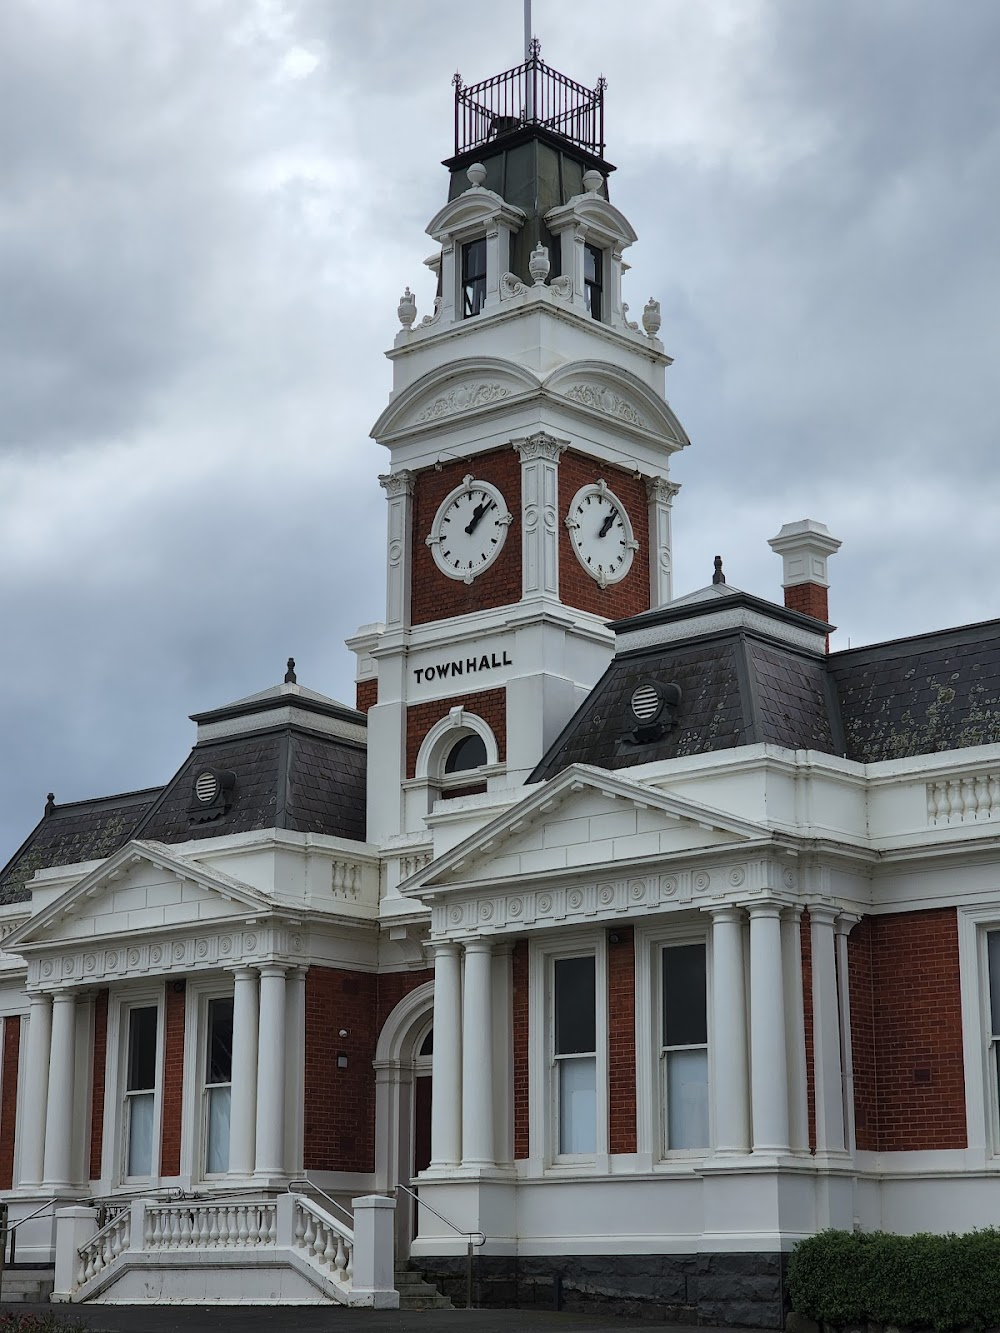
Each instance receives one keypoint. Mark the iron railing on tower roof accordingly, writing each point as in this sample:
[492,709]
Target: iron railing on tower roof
[529,94]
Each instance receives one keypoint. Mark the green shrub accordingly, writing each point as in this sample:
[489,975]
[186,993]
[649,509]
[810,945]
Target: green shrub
[924,1281]
[12,1322]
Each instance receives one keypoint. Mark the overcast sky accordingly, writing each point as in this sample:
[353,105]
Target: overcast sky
[207,214]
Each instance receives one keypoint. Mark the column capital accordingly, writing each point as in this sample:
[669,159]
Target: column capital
[725,912]
[479,945]
[397,483]
[243,971]
[660,490]
[846,922]
[445,948]
[272,969]
[766,907]
[792,912]
[823,914]
[37,997]
[539,445]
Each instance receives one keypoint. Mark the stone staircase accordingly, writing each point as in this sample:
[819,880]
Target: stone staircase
[28,1283]
[416,1294]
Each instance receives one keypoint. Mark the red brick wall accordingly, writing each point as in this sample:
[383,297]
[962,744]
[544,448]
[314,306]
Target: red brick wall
[917,1011]
[8,1098]
[367,694]
[97,1088]
[859,966]
[576,587]
[520,1030]
[621,1041]
[173,1080]
[805,941]
[810,599]
[434,596]
[490,705]
[339,1130]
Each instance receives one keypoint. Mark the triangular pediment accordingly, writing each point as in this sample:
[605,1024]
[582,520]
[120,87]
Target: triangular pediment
[585,817]
[144,887]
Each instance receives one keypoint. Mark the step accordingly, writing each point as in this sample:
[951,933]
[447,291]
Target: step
[32,1285]
[416,1294]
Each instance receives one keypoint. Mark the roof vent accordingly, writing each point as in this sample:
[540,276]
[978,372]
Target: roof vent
[211,795]
[653,707]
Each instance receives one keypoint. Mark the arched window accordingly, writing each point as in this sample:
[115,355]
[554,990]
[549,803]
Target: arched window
[468,752]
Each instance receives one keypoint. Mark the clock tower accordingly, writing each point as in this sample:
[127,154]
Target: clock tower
[529,442]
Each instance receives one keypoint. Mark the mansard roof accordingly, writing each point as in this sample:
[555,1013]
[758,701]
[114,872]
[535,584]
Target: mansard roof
[299,762]
[750,673]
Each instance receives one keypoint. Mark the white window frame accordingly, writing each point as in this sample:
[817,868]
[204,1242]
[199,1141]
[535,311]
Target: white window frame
[194,1122]
[544,1102]
[651,1136]
[113,1164]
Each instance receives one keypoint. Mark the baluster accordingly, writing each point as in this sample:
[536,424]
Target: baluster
[349,1270]
[243,1230]
[932,803]
[213,1225]
[329,1249]
[954,798]
[175,1228]
[185,1229]
[300,1226]
[994,793]
[271,1222]
[340,1259]
[968,799]
[982,796]
[253,1225]
[149,1229]
[90,1266]
[310,1236]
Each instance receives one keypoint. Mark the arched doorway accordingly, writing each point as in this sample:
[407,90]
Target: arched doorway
[403,1095]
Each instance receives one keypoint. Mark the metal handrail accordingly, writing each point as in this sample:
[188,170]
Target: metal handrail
[304,1180]
[469,1235]
[13,1226]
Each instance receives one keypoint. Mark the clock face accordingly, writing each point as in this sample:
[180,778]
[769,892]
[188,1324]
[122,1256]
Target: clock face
[469,529]
[601,533]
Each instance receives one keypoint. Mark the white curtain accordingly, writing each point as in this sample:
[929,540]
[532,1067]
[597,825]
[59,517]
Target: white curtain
[217,1148]
[578,1105]
[140,1134]
[687,1099]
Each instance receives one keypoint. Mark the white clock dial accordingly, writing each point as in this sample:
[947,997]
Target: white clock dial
[601,533]
[469,529]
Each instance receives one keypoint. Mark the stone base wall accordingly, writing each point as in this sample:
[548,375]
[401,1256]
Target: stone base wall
[745,1290]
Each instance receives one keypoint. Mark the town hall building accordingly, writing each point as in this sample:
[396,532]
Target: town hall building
[625,935]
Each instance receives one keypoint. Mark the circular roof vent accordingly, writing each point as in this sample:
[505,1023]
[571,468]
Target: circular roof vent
[206,787]
[645,702]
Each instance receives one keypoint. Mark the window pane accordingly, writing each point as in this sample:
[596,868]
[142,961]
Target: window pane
[427,1047]
[217,1148]
[139,1161]
[592,264]
[474,260]
[993,944]
[685,1021]
[576,1027]
[142,1049]
[469,752]
[687,1099]
[578,1105]
[219,1067]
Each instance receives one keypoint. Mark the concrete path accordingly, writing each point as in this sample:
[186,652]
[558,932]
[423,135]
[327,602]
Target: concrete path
[312,1319]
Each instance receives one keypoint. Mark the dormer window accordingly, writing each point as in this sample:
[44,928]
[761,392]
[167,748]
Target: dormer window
[473,277]
[593,280]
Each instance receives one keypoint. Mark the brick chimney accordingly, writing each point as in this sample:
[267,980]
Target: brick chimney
[804,548]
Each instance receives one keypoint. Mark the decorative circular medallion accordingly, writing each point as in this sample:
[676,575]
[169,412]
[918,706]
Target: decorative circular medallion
[606,893]
[90,963]
[575,900]
[250,942]
[456,914]
[668,886]
[112,960]
[600,533]
[469,529]
[67,966]
[46,969]
[178,951]
[201,949]
[637,889]
[515,907]
[486,911]
[737,876]
[702,881]
[133,957]
[156,954]
[545,903]
[789,879]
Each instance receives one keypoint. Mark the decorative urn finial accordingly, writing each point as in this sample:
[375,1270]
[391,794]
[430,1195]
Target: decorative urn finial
[407,309]
[592,181]
[538,264]
[651,317]
[476,174]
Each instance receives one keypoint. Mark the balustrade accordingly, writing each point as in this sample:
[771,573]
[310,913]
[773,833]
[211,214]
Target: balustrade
[964,799]
[325,1241]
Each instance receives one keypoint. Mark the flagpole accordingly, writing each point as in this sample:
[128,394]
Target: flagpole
[527,29]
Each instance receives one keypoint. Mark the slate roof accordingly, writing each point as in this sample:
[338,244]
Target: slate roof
[891,700]
[920,695]
[76,831]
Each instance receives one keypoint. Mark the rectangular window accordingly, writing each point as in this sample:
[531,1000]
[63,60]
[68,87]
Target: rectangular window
[140,1090]
[593,280]
[684,1046]
[993,955]
[473,277]
[575,1053]
[218,1084]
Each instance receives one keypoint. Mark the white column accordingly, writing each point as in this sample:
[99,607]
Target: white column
[31,1130]
[795,1030]
[446,1062]
[398,487]
[730,1069]
[477,1056]
[503,1053]
[827,1068]
[243,1111]
[270,1148]
[768,1080]
[843,927]
[60,1109]
[661,494]
[539,514]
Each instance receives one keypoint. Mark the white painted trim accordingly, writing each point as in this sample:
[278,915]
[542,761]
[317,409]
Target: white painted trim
[443,734]
[120,1002]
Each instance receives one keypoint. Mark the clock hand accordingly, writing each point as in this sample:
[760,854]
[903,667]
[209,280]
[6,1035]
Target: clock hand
[477,514]
[606,525]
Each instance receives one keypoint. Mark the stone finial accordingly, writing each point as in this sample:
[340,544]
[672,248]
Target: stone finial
[592,181]
[407,309]
[290,677]
[718,576]
[651,319]
[50,805]
[476,174]
[538,264]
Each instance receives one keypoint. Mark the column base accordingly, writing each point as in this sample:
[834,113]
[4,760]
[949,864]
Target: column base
[269,1180]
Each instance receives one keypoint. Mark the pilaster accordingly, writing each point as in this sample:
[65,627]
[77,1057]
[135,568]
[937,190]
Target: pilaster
[843,926]
[539,514]
[827,1065]
[398,487]
[768,1071]
[795,1031]
[661,494]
